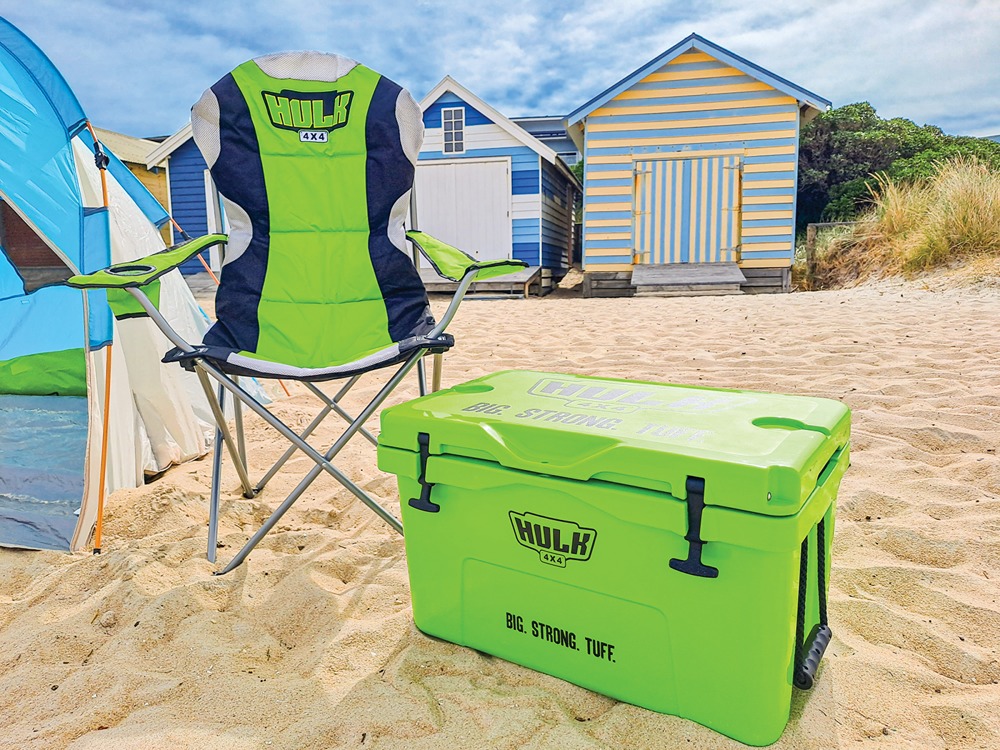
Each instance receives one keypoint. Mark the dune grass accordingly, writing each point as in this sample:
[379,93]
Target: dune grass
[952,218]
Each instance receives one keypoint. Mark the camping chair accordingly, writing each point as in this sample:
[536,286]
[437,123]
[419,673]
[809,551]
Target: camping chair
[314,157]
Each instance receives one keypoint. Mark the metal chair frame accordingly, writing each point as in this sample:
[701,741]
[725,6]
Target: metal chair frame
[209,371]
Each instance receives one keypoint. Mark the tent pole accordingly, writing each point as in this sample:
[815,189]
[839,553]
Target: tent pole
[101,161]
[102,485]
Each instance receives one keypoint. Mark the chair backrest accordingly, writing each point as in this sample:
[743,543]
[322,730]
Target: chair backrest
[313,155]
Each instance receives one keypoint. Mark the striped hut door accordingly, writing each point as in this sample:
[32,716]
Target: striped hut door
[687,210]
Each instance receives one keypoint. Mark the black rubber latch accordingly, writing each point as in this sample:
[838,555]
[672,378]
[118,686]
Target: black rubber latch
[693,565]
[424,501]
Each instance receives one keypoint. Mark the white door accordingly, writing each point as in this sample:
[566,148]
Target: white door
[466,204]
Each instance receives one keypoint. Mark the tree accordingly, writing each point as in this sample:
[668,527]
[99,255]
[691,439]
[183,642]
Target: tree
[840,152]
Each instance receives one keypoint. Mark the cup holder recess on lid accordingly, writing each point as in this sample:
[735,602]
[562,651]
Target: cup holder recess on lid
[472,388]
[130,269]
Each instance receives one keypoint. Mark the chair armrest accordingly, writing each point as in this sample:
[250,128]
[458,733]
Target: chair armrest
[452,263]
[137,273]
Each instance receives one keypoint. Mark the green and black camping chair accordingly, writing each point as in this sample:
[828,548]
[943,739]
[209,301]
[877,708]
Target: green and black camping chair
[314,157]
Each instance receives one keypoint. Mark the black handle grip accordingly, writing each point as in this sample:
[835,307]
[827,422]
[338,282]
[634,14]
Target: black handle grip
[805,673]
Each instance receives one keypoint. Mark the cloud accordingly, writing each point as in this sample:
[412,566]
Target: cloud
[138,66]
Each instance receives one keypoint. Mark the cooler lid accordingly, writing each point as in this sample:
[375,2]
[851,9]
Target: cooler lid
[758,452]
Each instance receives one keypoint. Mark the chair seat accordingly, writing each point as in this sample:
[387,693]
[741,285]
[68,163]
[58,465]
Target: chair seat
[234,363]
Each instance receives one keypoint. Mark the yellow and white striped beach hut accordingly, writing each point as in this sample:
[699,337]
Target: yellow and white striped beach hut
[690,161]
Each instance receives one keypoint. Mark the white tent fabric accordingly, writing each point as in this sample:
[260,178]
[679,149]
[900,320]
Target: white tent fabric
[159,415]
[55,342]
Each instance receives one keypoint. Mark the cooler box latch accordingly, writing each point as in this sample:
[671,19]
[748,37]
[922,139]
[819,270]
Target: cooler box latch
[695,505]
[424,501]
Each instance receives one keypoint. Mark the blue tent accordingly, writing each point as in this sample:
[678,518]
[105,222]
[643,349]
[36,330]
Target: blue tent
[67,206]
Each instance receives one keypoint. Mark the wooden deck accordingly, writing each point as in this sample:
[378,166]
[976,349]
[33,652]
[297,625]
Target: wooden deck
[526,281]
[687,279]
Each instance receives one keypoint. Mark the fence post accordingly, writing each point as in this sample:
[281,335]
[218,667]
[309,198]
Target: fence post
[810,254]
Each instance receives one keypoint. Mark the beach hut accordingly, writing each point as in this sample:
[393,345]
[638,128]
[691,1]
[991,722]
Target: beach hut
[194,201]
[551,130]
[690,175]
[488,186]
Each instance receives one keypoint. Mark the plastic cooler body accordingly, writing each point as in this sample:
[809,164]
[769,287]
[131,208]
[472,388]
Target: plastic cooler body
[663,595]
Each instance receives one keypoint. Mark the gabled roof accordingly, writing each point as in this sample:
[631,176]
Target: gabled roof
[126,147]
[805,98]
[171,144]
[450,85]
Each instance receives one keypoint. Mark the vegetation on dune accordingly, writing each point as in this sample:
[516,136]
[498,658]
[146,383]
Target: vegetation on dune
[921,198]
[845,153]
[914,225]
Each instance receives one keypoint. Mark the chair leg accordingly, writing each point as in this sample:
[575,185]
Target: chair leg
[241,443]
[421,377]
[436,376]
[220,422]
[292,448]
[213,503]
[322,462]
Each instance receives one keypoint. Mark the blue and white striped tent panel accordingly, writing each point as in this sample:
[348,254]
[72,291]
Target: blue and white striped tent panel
[686,210]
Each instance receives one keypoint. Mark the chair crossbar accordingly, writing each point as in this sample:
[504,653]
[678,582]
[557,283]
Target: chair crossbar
[323,462]
[334,403]
[331,405]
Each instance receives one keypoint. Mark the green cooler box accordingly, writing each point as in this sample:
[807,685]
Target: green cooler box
[664,545]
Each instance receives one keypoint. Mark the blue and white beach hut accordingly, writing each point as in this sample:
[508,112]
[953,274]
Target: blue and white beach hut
[691,160]
[488,186]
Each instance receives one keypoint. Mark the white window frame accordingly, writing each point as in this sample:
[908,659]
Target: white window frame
[456,116]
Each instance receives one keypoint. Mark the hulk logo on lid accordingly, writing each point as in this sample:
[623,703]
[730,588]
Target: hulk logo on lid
[312,114]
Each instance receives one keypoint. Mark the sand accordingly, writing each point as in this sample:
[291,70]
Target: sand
[312,645]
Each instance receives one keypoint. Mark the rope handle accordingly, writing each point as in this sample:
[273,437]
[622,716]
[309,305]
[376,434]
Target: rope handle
[809,653]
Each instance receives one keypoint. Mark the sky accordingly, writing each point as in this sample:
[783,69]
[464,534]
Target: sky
[138,66]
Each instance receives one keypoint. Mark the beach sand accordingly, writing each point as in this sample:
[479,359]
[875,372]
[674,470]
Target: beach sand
[311,644]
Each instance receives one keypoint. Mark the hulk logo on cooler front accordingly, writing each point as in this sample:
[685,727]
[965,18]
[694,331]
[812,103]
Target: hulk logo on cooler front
[554,540]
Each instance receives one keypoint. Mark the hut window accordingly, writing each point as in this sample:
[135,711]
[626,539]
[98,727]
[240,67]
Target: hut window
[453,122]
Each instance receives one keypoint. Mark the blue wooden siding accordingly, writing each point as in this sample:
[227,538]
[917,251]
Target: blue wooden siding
[695,107]
[432,115]
[557,218]
[524,175]
[187,196]
[526,240]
